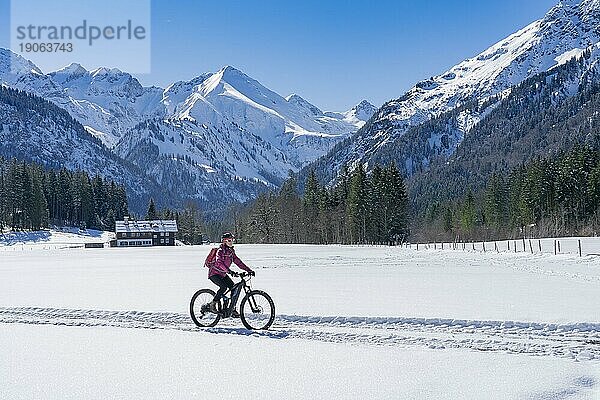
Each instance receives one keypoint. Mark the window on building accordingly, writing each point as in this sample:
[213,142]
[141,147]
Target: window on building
[162,241]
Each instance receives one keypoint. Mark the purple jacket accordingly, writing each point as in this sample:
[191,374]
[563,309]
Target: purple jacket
[225,256]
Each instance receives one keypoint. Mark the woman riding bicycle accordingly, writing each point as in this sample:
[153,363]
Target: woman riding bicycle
[217,272]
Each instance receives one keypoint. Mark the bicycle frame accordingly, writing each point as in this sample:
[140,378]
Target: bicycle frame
[235,292]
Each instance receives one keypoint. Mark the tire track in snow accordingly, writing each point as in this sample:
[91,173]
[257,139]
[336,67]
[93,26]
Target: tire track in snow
[580,341]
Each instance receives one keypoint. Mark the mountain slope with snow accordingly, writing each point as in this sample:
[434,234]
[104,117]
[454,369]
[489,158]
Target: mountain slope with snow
[224,124]
[292,125]
[107,101]
[217,163]
[566,31]
[34,129]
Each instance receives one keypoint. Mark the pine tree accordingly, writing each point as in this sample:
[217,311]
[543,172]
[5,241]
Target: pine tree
[396,205]
[151,214]
[289,206]
[262,218]
[39,213]
[310,206]
[357,211]
[380,196]
[496,200]
[468,215]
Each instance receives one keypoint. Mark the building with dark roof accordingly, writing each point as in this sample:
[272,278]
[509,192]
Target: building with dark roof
[131,233]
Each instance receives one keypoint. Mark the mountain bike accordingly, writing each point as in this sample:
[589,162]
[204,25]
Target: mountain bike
[257,310]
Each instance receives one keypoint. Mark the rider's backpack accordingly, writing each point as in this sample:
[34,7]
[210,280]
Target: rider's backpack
[211,258]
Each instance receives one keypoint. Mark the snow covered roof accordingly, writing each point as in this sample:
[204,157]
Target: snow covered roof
[156,225]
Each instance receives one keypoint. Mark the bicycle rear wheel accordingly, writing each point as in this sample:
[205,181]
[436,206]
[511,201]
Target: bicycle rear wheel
[257,310]
[199,311]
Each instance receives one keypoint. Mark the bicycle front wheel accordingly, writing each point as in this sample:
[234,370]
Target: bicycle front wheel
[199,310]
[257,310]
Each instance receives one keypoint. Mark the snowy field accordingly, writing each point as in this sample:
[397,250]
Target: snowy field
[52,239]
[352,323]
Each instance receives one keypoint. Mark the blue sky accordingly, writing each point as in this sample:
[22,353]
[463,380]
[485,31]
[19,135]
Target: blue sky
[333,53]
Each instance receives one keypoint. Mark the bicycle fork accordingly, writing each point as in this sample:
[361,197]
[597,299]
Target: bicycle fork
[253,306]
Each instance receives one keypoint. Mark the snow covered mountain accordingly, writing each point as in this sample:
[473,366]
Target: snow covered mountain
[292,125]
[224,130]
[563,33]
[106,101]
[218,162]
[34,129]
[109,102]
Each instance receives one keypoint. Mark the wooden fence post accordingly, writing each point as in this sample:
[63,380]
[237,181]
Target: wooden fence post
[483,244]
[579,244]
[555,246]
[530,246]
[540,244]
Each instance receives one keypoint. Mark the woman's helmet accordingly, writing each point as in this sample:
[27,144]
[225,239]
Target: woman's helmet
[227,235]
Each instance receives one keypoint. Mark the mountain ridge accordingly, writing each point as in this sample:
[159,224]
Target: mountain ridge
[225,125]
[564,32]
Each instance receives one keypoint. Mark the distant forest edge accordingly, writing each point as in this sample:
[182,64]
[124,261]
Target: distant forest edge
[546,197]
[360,208]
[33,197]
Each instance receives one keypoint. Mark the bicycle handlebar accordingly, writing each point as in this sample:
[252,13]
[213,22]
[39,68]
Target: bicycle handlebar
[239,274]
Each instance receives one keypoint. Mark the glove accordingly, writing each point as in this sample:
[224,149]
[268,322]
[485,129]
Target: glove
[233,273]
[251,273]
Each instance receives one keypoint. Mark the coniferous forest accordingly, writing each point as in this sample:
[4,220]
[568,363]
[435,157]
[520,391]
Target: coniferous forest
[551,196]
[360,208]
[32,197]
[546,197]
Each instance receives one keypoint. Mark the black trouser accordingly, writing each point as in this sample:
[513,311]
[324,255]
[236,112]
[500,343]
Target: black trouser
[223,282]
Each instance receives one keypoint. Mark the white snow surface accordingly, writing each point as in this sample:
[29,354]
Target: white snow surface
[352,322]
[55,238]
